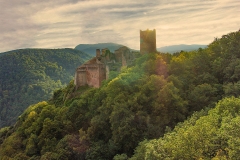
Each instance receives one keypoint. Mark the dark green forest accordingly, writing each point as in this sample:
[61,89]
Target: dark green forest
[28,76]
[164,106]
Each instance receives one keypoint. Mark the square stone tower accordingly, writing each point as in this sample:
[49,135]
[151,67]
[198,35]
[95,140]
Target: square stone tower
[148,41]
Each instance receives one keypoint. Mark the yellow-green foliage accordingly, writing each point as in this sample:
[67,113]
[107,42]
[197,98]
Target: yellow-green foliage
[145,101]
[28,76]
[215,135]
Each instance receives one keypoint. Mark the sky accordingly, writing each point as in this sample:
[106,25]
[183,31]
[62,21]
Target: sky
[67,23]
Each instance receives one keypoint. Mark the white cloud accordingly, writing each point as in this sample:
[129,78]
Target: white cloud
[51,24]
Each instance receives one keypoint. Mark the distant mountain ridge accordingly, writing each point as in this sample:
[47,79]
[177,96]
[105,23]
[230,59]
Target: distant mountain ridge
[91,48]
[180,47]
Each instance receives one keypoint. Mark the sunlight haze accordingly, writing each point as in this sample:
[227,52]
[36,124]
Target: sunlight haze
[67,23]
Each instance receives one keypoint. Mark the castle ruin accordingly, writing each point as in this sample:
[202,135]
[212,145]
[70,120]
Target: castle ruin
[97,69]
[91,73]
[148,41]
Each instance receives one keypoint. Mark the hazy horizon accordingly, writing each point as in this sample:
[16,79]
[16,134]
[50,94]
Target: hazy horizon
[67,23]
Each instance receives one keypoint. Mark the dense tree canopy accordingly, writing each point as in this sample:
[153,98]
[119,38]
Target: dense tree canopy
[180,106]
[206,135]
[28,76]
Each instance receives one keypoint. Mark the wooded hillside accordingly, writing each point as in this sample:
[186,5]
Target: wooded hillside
[28,76]
[141,104]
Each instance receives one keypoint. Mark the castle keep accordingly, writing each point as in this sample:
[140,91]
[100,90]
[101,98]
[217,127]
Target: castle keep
[148,41]
[97,69]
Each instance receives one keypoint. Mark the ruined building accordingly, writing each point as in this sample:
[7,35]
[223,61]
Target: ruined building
[91,73]
[148,41]
[94,71]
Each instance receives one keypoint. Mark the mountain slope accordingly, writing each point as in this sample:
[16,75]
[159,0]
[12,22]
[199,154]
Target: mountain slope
[206,135]
[28,76]
[181,47]
[91,48]
[144,101]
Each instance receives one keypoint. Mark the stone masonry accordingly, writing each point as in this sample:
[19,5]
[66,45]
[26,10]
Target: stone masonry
[94,71]
[148,41]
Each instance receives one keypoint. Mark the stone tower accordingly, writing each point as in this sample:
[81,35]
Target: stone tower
[147,41]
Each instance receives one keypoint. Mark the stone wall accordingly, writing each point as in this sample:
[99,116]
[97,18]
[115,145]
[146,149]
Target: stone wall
[97,69]
[80,77]
[147,41]
[90,74]
[95,74]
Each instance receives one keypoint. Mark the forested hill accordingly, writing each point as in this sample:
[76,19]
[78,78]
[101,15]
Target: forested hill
[28,76]
[141,113]
[179,48]
[91,48]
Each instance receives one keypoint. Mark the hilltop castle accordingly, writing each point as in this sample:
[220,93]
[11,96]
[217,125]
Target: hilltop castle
[148,41]
[94,71]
